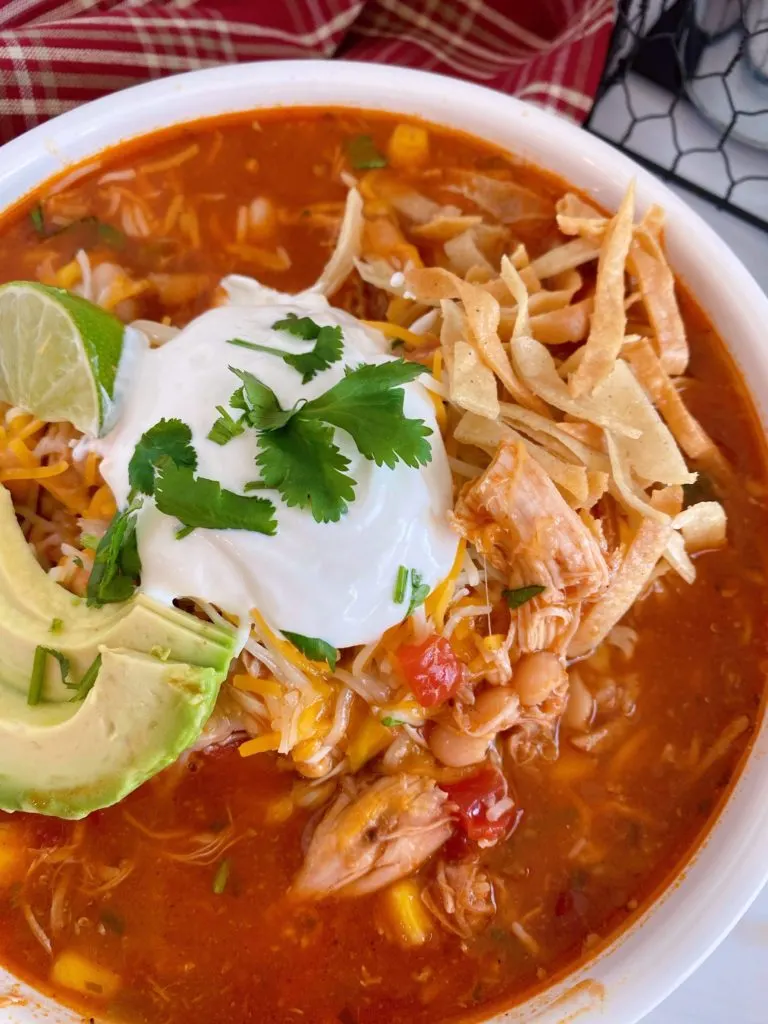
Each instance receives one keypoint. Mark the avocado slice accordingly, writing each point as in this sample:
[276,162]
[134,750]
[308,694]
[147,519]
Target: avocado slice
[160,675]
[67,759]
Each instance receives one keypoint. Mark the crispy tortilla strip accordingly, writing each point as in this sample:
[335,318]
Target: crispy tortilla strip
[687,431]
[382,275]
[624,487]
[646,549]
[511,278]
[504,200]
[577,217]
[703,526]
[442,228]
[563,443]
[537,368]
[656,282]
[587,433]
[464,254]
[668,499]
[560,326]
[653,457]
[566,257]
[609,320]
[472,386]
[676,556]
[382,184]
[347,250]
[483,314]
[489,435]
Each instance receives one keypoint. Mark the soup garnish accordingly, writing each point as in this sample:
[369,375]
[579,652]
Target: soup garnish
[383,601]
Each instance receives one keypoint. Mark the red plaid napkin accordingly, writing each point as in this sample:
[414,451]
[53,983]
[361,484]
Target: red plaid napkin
[55,54]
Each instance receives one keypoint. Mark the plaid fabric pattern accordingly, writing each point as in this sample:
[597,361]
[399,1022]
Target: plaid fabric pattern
[55,54]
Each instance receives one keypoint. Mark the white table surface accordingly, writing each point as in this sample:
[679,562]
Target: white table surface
[731,986]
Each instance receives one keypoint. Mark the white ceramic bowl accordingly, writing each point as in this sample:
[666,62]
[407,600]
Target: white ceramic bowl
[639,969]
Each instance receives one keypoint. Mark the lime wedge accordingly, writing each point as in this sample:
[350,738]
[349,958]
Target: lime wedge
[59,355]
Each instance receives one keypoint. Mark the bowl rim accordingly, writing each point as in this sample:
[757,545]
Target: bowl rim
[640,966]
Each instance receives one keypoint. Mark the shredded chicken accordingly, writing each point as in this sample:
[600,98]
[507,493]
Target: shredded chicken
[516,516]
[461,897]
[373,835]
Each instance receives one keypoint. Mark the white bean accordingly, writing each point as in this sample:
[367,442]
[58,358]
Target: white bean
[496,709]
[537,675]
[456,749]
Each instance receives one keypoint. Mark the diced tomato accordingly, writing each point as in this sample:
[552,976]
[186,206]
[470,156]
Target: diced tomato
[431,669]
[476,797]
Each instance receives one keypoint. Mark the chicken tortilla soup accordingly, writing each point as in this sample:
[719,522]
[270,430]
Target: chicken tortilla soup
[382,574]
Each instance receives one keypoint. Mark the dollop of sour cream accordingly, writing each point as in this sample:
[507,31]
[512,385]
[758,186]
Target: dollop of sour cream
[334,581]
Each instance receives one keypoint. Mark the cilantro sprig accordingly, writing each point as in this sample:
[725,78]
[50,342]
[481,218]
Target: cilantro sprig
[298,455]
[314,648]
[522,595]
[328,348]
[419,592]
[170,439]
[201,503]
[116,562]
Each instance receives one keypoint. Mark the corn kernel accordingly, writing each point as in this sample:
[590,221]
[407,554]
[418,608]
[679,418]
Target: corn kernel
[408,146]
[409,921]
[370,739]
[76,972]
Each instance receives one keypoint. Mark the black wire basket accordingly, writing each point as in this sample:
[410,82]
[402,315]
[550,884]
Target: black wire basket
[685,93]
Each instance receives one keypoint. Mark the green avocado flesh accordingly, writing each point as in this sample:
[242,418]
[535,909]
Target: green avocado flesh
[160,674]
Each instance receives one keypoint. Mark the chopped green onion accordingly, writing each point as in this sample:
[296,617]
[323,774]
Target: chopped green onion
[391,722]
[86,683]
[521,595]
[221,877]
[37,218]
[400,585]
[37,678]
[57,625]
[419,592]
[363,154]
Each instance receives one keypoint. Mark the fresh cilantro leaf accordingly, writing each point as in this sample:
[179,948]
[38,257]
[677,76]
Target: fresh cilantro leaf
[89,541]
[38,219]
[259,402]
[170,439]
[57,626]
[116,564]
[77,560]
[368,404]
[299,326]
[419,592]
[302,462]
[313,648]
[392,723]
[401,583]
[225,428]
[521,595]
[363,154]
[197,502]
[327,351]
